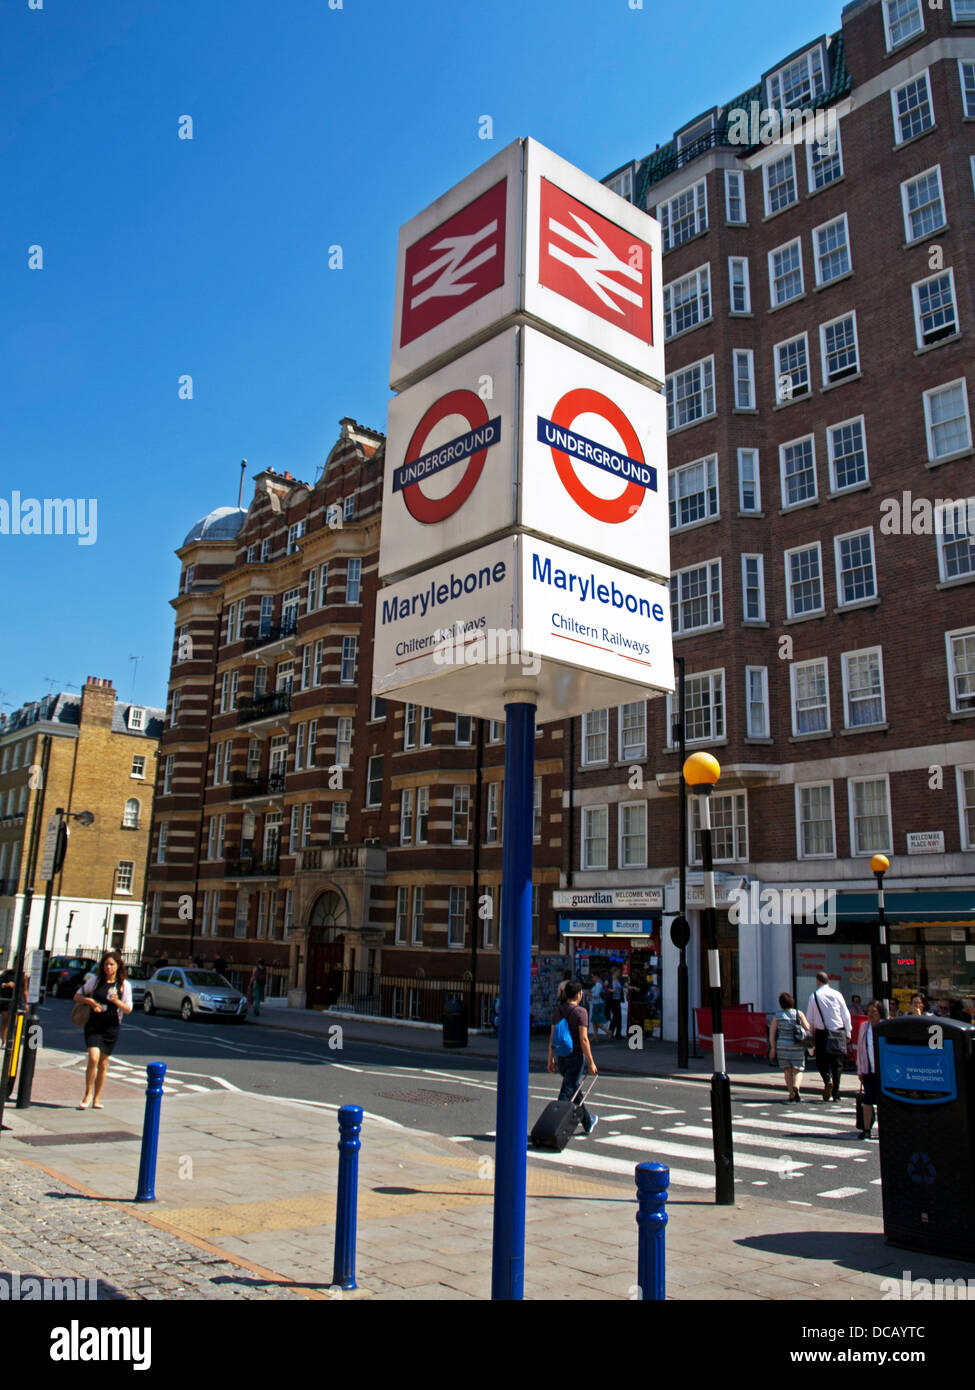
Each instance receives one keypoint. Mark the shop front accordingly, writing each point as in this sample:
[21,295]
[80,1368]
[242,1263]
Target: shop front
[617,929]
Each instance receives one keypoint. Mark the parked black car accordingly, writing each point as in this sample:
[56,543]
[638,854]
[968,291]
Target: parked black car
[65,975]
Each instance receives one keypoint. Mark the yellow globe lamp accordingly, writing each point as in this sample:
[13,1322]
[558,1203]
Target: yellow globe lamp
[701,770]
[880,863]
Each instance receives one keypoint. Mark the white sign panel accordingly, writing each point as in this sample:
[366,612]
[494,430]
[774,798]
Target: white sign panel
[583,462]
[925,842]
[594,457]
[573,898]
[523,614]
[36,969]
[49,848]
[531,236]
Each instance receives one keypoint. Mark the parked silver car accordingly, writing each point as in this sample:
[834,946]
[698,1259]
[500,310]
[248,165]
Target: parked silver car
[137,976]
[190,991]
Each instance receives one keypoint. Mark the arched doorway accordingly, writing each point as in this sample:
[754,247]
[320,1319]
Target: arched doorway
[326,938]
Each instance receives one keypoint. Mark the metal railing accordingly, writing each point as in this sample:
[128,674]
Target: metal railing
[243,786]
[264,634]
[252,868]
[265,707]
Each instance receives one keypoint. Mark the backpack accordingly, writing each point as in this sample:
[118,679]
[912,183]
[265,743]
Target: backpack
[562,1039]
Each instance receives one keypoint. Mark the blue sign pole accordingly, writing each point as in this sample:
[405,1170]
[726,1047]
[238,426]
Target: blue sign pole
[511,1145]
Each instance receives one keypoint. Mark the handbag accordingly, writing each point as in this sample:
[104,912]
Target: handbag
[80,1015]
[803,1036]
[835,1037]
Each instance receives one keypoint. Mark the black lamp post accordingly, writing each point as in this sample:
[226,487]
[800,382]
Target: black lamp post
[880,864]
[701,771]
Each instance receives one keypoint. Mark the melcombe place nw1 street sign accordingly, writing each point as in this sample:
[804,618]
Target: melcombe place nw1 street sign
[525,432]
[522,614]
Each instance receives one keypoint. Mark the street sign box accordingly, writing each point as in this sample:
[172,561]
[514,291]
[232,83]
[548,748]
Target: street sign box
[522,614]
[524,431]
[529,236]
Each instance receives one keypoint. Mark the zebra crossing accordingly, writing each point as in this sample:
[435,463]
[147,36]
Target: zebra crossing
[129,1074]
[804,1154]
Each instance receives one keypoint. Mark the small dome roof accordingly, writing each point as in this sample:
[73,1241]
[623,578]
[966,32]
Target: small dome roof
[222,524]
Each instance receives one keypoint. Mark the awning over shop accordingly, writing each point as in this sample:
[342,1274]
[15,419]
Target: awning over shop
[944,908]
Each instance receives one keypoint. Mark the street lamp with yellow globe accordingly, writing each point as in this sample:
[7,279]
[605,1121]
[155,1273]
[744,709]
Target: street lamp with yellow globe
[701,772]
[880,864]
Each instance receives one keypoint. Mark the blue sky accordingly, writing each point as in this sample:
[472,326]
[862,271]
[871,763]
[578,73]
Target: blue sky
[209,257]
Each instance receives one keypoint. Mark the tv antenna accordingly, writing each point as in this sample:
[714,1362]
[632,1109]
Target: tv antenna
[135,671]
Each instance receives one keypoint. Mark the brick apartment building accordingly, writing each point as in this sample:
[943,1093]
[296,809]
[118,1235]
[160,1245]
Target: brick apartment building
[819,303]
[89,753]
[299,820]
[819,307]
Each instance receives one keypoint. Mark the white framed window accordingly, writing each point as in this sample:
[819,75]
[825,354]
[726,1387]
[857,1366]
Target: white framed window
[460,832]
[785,273]
[241,912]
[307,812]
[622,184]
[633,731]
[175,707]
[495,730]
[311,593]
[130,815]
[693,492]
[690,394]
[947,420]
[825,159]
[632,835]
[409,726]
[323,586]
[923,202]
[797,465]
[261,915]
[870,816]
[962,11]
[265,550]
[422,815]
[353,580]
[290,607]
[492,815]
[537,809]
[348,507]
[815,821]
[426,726]
[168,767]
[406,816]
[739,286]
[791,360]
[704,708]
[343,741]
[312,742]
[301,733]
[684,215]
[749,484]
[831,245]
[798,83]
[402,915]
[419,906]
[374,781]
[687,302]
[935,307]
[911,103]
[212,838]
[729,828]
[809,682]
[137,717]
[339,822]
[295,533]
[734,196]
[377,709]
[123,876]
[863,688]
[847,448]
[463,730]
[595,737]
[350,646]
[753,588]
[595,837]
[839,349]
[856,572]
[231,614]
[903,20]
[966,76]
[744,366]
[251,554]
[218,764]
[804,581]
[961,669]
[966,803]
[954,527]
[266,616]
[457,916]
[780,183]
[225,692]
[756,701]
[162,843]
[695,597]
[295,829]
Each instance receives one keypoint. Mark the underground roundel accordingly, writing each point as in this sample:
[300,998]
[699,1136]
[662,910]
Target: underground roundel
[470,447]
[568,447]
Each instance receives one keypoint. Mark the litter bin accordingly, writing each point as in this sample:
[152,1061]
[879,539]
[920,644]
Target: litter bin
[454,1021]
[926,1115]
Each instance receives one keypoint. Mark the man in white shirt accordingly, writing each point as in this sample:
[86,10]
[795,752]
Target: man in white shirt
[827,1012]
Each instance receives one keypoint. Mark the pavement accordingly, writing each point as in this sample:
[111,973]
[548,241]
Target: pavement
[245,1209]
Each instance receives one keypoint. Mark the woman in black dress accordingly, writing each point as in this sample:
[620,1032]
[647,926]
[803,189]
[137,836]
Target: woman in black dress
[109,995]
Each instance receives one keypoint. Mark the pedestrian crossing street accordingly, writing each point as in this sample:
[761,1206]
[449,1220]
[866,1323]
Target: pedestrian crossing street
[813,1145]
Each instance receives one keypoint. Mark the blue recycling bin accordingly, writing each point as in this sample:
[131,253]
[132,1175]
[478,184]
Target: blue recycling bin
[926,1117]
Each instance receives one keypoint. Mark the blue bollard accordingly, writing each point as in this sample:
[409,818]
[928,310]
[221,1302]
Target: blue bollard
[652,1183]
[156,1072]
[347,1196]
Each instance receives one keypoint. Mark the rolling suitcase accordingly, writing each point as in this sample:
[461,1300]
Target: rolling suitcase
[556,1124]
